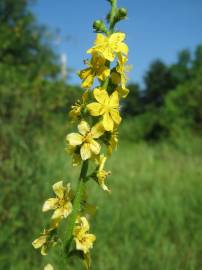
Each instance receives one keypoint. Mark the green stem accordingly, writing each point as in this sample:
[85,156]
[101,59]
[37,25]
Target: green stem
[112,15]
[76,205]
[84,169]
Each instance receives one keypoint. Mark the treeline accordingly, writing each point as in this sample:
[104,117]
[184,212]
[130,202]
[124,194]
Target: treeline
[169,104]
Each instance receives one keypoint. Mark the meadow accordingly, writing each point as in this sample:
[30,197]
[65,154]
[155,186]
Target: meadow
[151,220]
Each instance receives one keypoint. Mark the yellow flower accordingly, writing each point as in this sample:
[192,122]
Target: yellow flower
[107,106]
[96,68]
[101,173]
[123,92]
[49,267]
[123,69]
[76,109]
[86,139]
[44,241]
[76,157]
[83,239]
[120,75]
[112,142]
[108,46]
[62,203]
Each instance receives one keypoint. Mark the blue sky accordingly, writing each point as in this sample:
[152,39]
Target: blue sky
[155,29]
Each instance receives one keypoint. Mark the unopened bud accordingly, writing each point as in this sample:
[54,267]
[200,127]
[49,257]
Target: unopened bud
[121,14]
[99,26]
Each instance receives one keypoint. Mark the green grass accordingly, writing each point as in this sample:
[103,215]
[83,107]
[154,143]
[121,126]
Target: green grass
[151,221]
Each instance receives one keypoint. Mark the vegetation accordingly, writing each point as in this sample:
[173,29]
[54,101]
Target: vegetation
[153,217]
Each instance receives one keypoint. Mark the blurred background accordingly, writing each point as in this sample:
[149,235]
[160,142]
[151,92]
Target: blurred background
[153,218]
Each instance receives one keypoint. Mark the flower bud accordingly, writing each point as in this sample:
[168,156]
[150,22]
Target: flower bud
[121,14]
[99,26]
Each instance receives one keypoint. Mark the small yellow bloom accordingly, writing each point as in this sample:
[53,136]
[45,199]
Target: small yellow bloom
[107,106]
[83,239]
[62,203]
[76,157]
[123,92]
[120,75]
[112,142]
[44,241]
[101,173]
[75,112]
[97,68]
[49,267]
[86,139]
[108,46]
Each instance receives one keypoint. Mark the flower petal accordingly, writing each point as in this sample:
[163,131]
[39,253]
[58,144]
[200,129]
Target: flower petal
[97,130]
[58,188]
[85,151]
[50,204]
[100,39]
[108,122]
[58,213]
[83,127]
[39,242]
[67,209]
[103,73]
[94,108]
[95,147]
[114,100]
[123,48]
[74,138]
[117,37]
[49,267]
[88,81]
[84,224]
[83,74]
[101,96]
[115,116]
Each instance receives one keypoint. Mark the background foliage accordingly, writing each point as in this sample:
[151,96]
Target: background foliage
[153,218]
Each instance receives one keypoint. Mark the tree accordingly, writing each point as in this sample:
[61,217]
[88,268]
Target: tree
[181,71]
[158,81]
[132,105]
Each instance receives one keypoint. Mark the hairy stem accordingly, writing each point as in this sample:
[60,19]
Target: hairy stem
[76,205]
[112,15]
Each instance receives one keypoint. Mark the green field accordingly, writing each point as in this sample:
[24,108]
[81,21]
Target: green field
[152,219]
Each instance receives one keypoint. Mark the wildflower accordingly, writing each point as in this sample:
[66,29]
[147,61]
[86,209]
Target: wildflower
[75,153]
[108,46]
[107,106]
[86,139]
[49,267]
[120,75]
[83,239]
[112,142]
[62,203]
[123,92]
[97,68]
[101,173]
[76,109]
[44,241]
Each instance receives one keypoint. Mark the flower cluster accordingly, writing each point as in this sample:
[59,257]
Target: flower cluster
[97,117]
[62,207]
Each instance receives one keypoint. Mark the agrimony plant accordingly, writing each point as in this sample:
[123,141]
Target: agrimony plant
[97,118]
